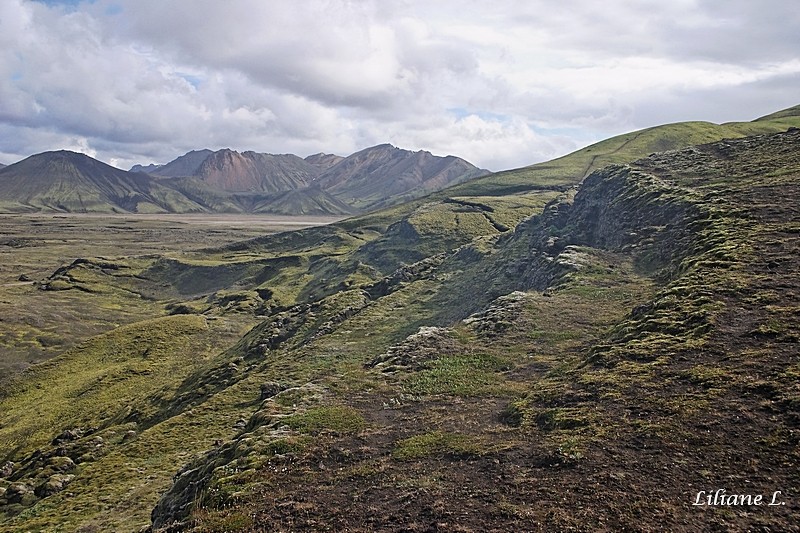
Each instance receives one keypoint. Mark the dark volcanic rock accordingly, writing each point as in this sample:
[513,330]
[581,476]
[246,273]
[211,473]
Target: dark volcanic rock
[270,389]
[19,493]
[7,469]
[55,483]
[68,435]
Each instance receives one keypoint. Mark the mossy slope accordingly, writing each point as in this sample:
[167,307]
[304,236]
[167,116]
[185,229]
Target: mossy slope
[631,347]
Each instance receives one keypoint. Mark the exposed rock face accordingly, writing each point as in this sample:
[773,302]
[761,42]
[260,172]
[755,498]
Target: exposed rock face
[269,389]
[68,435]
[426,344]
[617,209]
[55,483]
[19,493]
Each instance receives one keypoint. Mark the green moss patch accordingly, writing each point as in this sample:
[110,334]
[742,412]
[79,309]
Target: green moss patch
[460,375]
[337,418]
[437,443]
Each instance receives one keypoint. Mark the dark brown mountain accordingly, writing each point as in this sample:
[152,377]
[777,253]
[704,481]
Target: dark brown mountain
[229,170]
[375,177]
[369,178]
[72,182]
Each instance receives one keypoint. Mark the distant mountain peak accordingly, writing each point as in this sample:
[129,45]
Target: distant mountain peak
[323,161]
[369,177]
[185,165]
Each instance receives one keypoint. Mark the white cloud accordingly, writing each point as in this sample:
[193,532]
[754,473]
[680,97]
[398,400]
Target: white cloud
[146,80]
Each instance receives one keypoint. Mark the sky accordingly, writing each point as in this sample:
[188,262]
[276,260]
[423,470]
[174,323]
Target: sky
[502,84]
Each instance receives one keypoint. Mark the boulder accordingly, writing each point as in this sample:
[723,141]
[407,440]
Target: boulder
[61,464]
[55,483]
[270,389]
[68,435]
[19,493]
[7,469]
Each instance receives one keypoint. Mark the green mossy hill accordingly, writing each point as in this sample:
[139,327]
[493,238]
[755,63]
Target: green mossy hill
[621,149]
[102,418]
[307,201]
[71,182]
[789,113]
[655,325]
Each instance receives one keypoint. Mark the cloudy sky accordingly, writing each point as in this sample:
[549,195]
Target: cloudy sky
[502,84]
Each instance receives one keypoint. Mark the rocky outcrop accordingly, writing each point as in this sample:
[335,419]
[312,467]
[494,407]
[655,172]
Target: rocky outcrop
[415,350]
[265,437]
[47,471]
[498,316]
[619,209]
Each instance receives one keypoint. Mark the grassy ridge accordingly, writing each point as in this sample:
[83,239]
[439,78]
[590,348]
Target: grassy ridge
[97,382]
[636,365]
[573,167]
[111,390]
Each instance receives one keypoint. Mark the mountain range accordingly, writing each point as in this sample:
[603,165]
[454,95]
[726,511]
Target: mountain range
[230,182]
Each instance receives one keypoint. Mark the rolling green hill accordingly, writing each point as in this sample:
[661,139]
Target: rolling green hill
[467,360]
[574,167]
